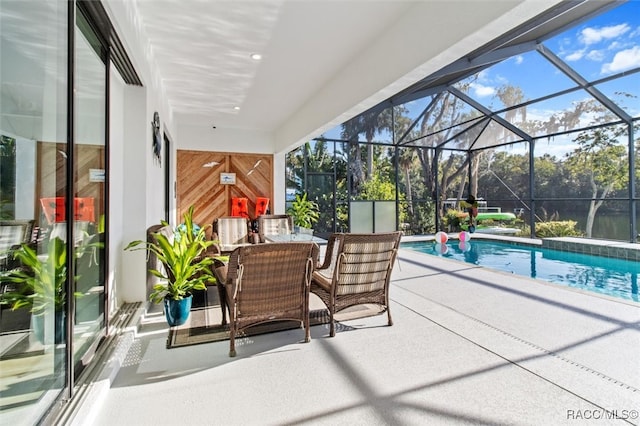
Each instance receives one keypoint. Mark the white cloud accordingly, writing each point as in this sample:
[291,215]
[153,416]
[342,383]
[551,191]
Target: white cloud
[557,147]
[595,55]
[615,45]
[519,59]
[501,80]
[482,91]
[483,75]
[575,56]
[591,35]
[623,60]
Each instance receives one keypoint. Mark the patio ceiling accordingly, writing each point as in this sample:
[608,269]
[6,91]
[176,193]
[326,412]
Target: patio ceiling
[315,54]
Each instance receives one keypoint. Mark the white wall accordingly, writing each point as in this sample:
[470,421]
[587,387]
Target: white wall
[279,183]
[116,191]
[205,138]
[135,197]
[136,178]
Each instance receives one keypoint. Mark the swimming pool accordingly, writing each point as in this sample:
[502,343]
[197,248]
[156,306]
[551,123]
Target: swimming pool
[604,275]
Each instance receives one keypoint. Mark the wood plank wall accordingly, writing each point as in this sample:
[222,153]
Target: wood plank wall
[51,180]
[200,186]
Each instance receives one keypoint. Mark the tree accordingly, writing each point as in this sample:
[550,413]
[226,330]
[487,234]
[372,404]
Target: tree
[369,124]
[603,161]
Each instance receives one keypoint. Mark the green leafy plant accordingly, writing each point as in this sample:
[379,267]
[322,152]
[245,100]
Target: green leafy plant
[561,228]
[186,266]
[452,219]
[304,211]
[40,279]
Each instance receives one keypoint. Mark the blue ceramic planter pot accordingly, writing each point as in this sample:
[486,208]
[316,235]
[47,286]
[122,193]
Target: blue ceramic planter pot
[59,327]
[177,311]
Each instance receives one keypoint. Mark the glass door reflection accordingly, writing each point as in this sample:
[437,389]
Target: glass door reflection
[89,166]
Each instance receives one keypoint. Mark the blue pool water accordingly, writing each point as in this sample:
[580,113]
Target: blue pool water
[612,277]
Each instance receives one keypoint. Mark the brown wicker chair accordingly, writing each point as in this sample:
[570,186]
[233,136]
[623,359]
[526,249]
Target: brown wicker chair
[356,270]
[231,233]
[269,282]
[270,224]
[13,233]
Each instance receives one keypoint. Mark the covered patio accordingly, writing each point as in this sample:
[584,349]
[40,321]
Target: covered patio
[468,346]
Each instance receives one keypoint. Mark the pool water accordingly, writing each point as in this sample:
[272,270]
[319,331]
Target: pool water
[604,275]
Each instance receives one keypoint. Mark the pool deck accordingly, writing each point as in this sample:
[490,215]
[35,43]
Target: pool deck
[468,346]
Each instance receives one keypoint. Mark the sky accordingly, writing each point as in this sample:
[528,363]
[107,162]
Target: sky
[602,46]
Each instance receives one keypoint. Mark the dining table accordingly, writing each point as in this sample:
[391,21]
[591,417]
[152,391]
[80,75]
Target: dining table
[293,237]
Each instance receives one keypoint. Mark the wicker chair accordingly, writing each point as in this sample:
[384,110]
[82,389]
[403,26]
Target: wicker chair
[356,270]
[273,224]
[269,282]
[231,233]
[13,233]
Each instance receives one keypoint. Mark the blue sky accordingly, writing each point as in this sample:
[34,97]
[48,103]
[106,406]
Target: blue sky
[603,46]
[597,48]
[607,44]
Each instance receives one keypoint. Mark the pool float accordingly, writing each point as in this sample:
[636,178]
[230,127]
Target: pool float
[471,206]
[441,237]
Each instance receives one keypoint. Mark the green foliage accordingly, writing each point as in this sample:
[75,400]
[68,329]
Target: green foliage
[603,162]
[565,228]
[421,219]
[452,219]
[601,159]
[40,279]
[304,211]
[186,268]
[342,217]
[377,189]
[597,170]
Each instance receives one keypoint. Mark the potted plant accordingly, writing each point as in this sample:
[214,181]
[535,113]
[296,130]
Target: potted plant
[186,267]
[39,282]
[304,212]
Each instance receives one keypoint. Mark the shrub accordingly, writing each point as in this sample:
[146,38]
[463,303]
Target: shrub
[564,228]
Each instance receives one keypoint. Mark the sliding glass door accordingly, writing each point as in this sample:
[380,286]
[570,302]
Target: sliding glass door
[33,181]
[53,202]
[89,172]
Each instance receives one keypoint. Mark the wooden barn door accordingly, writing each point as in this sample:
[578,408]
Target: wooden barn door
[199,184]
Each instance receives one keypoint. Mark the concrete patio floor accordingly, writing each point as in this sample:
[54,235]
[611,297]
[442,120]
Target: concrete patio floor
[468,346]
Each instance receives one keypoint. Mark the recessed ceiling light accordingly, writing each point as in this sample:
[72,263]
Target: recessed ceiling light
[237,108]
[256,56]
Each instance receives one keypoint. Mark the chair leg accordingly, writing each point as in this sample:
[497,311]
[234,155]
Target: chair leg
[222,295]
[307,329]
[390,322]
[233,326]
[232,342]
[332,324]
